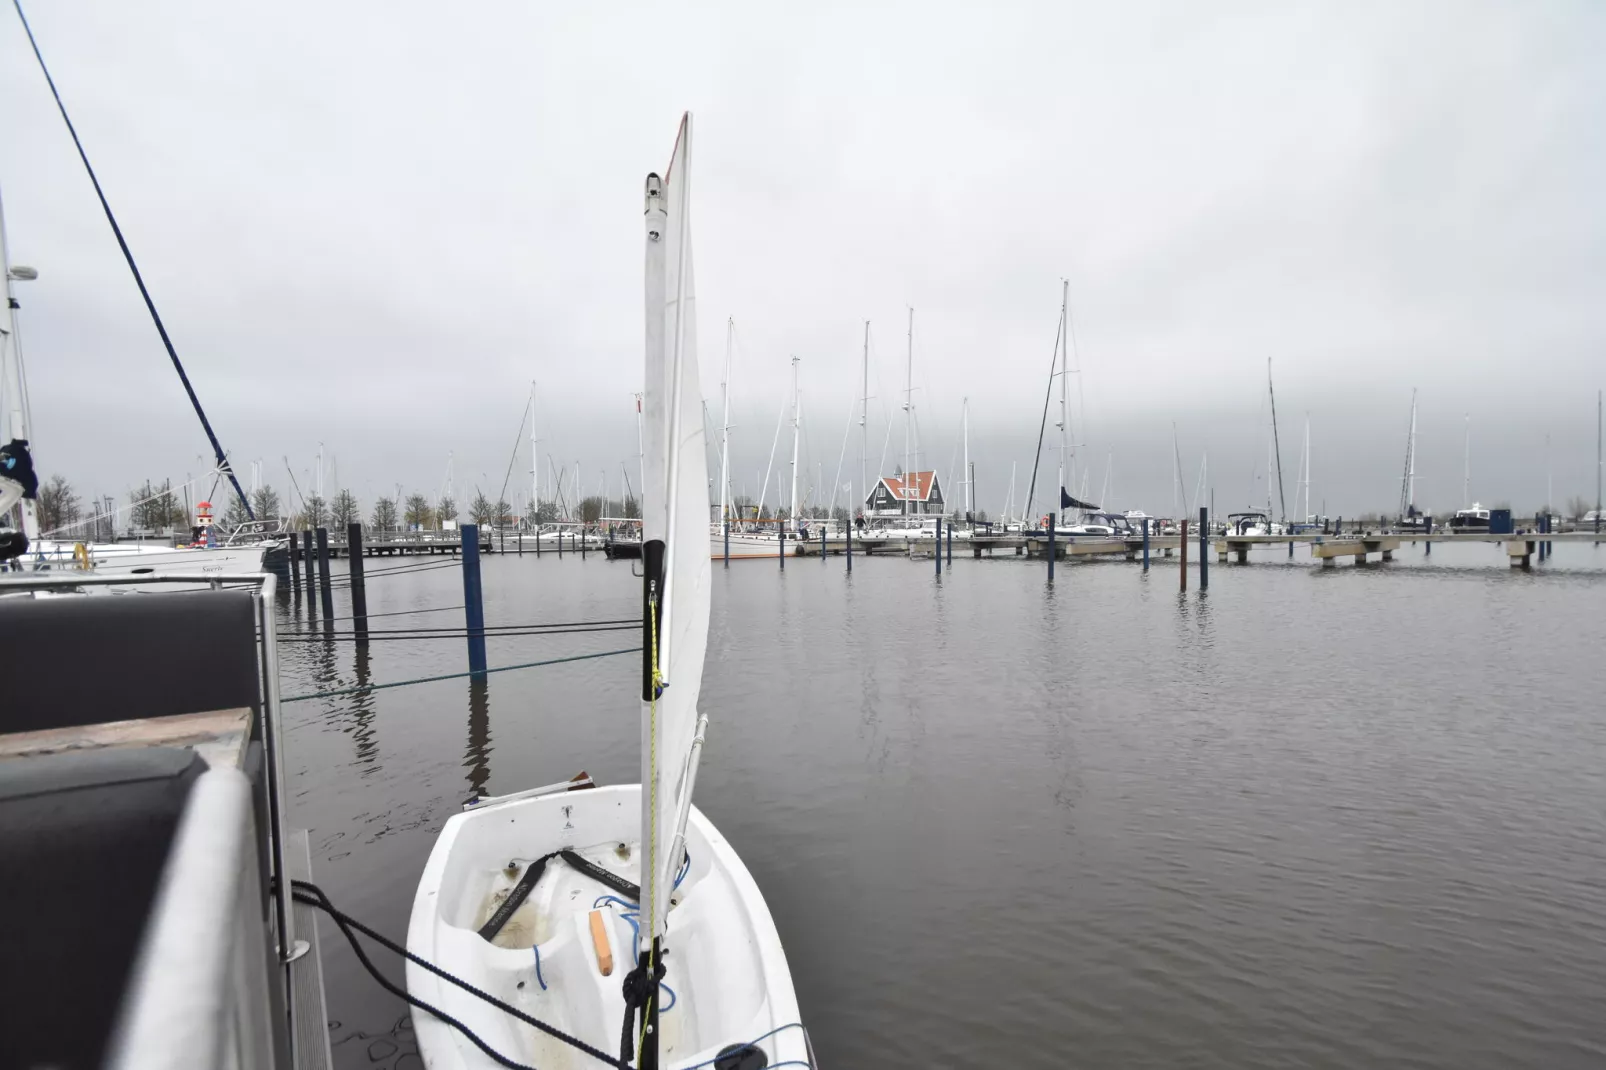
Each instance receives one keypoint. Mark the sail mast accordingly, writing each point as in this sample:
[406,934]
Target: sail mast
[1466,465]
[11,378]
[908,414]
[793,515]
[1065,363]
[535,463]
[864,424]
[970,501]
[1277,450]
[725,428]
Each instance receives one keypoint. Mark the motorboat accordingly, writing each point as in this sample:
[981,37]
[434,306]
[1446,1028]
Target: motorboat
[1474,519]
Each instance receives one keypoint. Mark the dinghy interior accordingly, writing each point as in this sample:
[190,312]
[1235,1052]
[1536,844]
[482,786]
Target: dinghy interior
[537,902]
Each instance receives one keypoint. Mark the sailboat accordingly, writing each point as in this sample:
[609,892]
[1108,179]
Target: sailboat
[619,917]
[27,548]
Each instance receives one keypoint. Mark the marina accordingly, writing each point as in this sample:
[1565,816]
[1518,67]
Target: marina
[490,675]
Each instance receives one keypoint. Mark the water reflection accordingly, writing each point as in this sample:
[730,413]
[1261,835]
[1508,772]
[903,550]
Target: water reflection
[362,710]
[478,756]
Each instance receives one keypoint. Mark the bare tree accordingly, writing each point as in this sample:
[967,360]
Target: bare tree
[58,505]
[590,510]
[384,516]
[265,503]
[480,509]
[419,514]
[345,510]
[445,510]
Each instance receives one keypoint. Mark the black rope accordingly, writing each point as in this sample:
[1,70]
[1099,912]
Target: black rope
[311,895]
[398,613]
[347,637]
[150,305]
[492,629]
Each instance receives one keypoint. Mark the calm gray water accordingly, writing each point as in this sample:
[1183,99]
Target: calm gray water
[1310,818]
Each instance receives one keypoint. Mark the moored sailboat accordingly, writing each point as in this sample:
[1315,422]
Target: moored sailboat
[619,917]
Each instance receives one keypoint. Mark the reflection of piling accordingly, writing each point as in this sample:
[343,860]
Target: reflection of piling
[1204,548]
[1183,542]
[478,755]
[326,593]
[295,564]
[359,592]
[473,599]
[1145,544]
[1051,525]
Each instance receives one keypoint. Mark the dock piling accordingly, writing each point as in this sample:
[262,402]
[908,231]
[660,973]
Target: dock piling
[1051,526]
[782,554]
[359,592]
[938,554]
[822,543]
[295,565]
[312,573]
[326,594]
[951,542]
[1204,548]
[850,544]
[473,600]
[1145,544]
[727,544]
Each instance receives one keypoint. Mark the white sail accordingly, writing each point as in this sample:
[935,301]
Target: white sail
[675,511]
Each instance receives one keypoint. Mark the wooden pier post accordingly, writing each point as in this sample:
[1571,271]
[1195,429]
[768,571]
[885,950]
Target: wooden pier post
[1183,544]
[327,596]
[295,565]
[1204,549]
[312,573]
[473,600]
[359,592]
[1051,526]
[1145,544]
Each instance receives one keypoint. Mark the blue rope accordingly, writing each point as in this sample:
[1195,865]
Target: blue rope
[755,1043]
[538,977]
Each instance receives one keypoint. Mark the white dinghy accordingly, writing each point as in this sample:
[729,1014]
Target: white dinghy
[618,917]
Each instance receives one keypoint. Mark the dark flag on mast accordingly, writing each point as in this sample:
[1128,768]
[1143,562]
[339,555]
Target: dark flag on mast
[1068,502]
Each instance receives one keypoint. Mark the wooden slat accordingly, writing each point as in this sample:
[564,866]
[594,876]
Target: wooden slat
[219,736]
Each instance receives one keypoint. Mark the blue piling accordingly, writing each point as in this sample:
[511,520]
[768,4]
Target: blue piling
[950,542]
[1429,552]
[938,554]
[782,555]
[1145,544]
[473,599]
[850,543]
[727,544]
[822,542]
[1204,548]
[1051,526]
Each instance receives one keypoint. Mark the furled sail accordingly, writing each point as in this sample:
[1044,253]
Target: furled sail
[674,532]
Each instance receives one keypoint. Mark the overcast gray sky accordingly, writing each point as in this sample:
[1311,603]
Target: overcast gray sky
[372,224]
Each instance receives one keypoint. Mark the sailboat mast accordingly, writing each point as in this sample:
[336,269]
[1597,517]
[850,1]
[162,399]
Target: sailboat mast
[535,463]
[1466,465]
[970,504]
[1277,449]
[793,515]
[1304,467]
[908,412]
[864,423]
[11,378]
[1065,363]
[725,428]
[1410,468]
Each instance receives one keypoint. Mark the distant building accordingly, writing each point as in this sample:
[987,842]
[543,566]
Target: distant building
[918,494]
